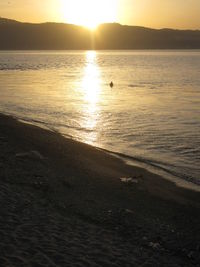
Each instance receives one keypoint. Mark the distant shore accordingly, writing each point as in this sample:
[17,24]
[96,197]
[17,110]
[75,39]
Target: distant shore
[108,36]
[65,203]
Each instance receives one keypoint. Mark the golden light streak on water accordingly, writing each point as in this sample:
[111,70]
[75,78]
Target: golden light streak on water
[91,90]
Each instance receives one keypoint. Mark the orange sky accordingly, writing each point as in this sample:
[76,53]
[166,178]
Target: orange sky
[181,14]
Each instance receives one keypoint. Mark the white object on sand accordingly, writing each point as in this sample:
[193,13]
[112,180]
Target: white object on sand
[32,154]
[129,180]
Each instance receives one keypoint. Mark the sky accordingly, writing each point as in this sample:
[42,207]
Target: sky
[179,14]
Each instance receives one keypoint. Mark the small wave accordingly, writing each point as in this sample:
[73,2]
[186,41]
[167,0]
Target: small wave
[134,85]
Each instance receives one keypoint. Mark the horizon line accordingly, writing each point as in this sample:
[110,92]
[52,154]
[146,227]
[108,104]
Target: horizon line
[127,25]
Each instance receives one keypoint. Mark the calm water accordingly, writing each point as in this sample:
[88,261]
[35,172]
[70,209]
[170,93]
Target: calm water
[152,113]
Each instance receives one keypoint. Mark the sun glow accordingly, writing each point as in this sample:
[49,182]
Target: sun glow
[89,13]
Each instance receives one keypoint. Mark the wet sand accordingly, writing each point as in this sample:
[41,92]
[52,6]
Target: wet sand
[63,203]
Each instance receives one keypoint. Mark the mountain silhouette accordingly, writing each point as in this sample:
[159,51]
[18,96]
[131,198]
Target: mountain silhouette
[61,36]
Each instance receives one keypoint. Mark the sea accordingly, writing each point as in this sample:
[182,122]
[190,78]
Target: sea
[150,117]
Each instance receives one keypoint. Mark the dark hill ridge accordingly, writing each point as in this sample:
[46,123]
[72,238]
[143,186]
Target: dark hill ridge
[18,35]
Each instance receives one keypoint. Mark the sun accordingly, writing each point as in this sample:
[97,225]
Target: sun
[89,13]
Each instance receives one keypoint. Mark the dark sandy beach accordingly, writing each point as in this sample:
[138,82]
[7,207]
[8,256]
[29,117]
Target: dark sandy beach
[63,204]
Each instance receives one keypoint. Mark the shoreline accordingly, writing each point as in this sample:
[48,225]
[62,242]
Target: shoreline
[127,159]
[161,172]
[64,196]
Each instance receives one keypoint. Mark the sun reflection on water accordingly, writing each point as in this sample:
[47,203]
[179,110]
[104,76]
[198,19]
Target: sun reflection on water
[91,89]
[91,79]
